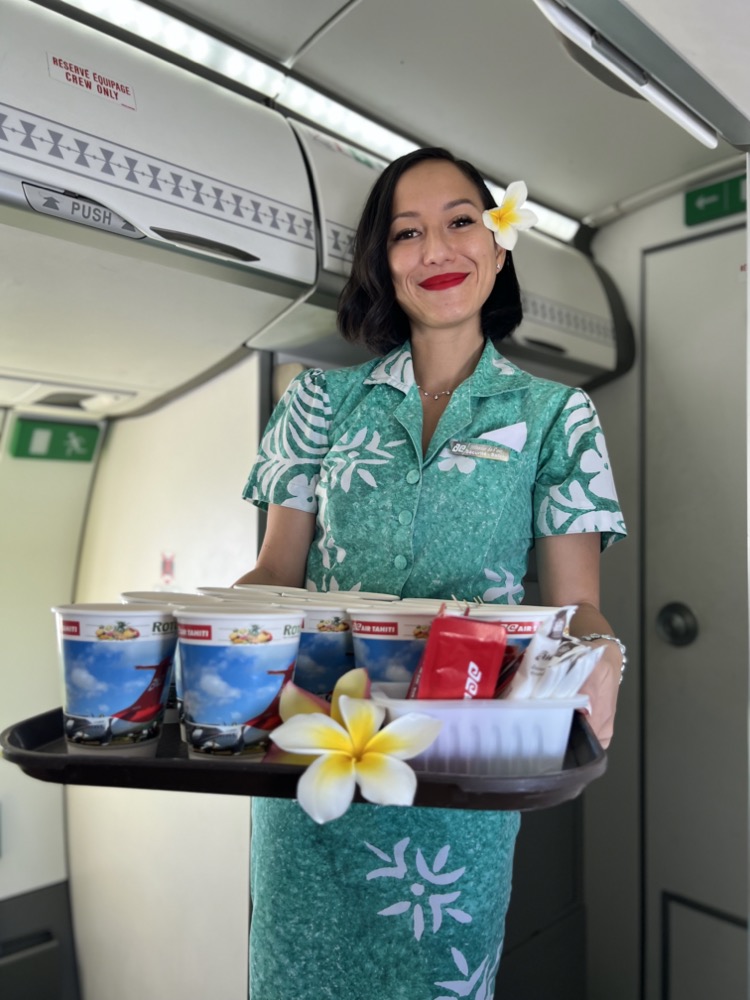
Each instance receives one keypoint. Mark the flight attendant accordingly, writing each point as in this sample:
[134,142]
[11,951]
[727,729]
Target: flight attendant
[430,471]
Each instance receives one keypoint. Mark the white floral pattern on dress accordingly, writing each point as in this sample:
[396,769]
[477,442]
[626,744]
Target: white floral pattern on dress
[504,367]
[508,590]
[326,543]
[574,511]
[596,461]
[300,439]
[437,902]
[302,490]
[395,369]
[450,461]
[346,458]
[580,420]
[484,975]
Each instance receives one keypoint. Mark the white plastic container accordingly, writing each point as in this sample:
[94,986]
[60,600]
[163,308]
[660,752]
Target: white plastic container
[489,737]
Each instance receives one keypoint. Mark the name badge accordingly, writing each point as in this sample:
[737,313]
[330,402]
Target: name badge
[476,449]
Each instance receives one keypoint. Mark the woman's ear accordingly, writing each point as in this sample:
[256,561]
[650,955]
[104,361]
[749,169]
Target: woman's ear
[499,257]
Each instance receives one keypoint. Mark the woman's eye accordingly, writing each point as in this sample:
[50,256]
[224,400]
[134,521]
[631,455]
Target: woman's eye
[405,234]
[461,221]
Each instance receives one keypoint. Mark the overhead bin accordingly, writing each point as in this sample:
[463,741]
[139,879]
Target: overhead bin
[154,226]
[574,328]
[151,220]
[342,177]
[174,156]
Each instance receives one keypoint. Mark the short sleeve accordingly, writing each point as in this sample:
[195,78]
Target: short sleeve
[287,468]
[574,490]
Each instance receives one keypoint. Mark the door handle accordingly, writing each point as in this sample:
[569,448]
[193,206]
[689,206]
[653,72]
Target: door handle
[676,624]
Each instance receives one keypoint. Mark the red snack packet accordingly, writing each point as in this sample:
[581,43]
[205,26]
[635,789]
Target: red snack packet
[461,659]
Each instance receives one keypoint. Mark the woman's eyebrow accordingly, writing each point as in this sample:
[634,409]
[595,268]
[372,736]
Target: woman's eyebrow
[446,208]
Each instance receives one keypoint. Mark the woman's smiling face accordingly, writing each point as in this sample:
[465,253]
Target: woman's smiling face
[442,258]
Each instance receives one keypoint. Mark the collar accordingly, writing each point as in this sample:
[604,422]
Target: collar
[493,373]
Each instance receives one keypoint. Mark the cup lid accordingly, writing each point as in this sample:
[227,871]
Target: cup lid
[165,597]
[237,610]
[121,609]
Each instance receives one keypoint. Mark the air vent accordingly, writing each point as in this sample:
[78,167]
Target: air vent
[67,399]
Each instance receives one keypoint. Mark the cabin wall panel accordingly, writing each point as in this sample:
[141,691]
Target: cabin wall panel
[170,483]
[41,514]
[613,806]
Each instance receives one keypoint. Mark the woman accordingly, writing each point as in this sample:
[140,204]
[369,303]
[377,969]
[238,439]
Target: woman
[428,472]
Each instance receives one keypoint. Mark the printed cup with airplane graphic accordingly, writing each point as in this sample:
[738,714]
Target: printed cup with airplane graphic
[117,665]
[388,640]
[235,660]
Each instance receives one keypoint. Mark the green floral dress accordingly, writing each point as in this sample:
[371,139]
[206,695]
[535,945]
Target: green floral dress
[391,902]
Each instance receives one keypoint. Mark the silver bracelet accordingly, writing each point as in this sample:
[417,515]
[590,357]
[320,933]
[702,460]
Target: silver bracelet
[593,636]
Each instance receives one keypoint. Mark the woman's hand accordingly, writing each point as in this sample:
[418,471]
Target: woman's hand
[602,687]
[568,568]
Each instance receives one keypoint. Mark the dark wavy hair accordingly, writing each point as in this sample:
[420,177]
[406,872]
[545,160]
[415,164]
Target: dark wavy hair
[368,311]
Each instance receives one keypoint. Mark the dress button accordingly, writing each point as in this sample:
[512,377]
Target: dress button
[405,517]
[412,476]
[400,562]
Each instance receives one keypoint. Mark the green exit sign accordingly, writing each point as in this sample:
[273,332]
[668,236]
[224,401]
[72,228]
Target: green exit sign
[48,439]
[716,200]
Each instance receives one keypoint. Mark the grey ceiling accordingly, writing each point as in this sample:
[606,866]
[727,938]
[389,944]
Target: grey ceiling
[487,78]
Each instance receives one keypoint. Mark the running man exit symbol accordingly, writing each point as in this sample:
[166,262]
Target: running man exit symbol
[74,444]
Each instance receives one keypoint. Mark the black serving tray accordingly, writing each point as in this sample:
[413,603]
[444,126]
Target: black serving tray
[38,747]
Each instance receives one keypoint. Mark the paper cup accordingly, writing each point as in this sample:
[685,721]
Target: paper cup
[388,640]
[172,599]
[520,625]
[117,666]
[235,661]
[326,651]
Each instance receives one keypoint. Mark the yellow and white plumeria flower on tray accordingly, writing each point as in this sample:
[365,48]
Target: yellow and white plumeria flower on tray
[348,747]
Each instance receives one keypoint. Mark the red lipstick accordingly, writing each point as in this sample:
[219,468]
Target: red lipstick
[440,281]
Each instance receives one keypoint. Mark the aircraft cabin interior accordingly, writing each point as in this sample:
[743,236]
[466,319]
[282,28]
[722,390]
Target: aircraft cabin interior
[180,185]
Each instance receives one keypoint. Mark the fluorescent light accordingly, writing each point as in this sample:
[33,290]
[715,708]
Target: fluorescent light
[174,35]
[581,34]
[329,114]
[202,48]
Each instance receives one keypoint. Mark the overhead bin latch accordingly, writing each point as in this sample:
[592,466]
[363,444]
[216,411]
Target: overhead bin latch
[189,241]
[71,207]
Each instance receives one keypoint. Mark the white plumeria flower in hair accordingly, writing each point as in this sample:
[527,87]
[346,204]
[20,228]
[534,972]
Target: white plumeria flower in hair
[509,217]
[355,751]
